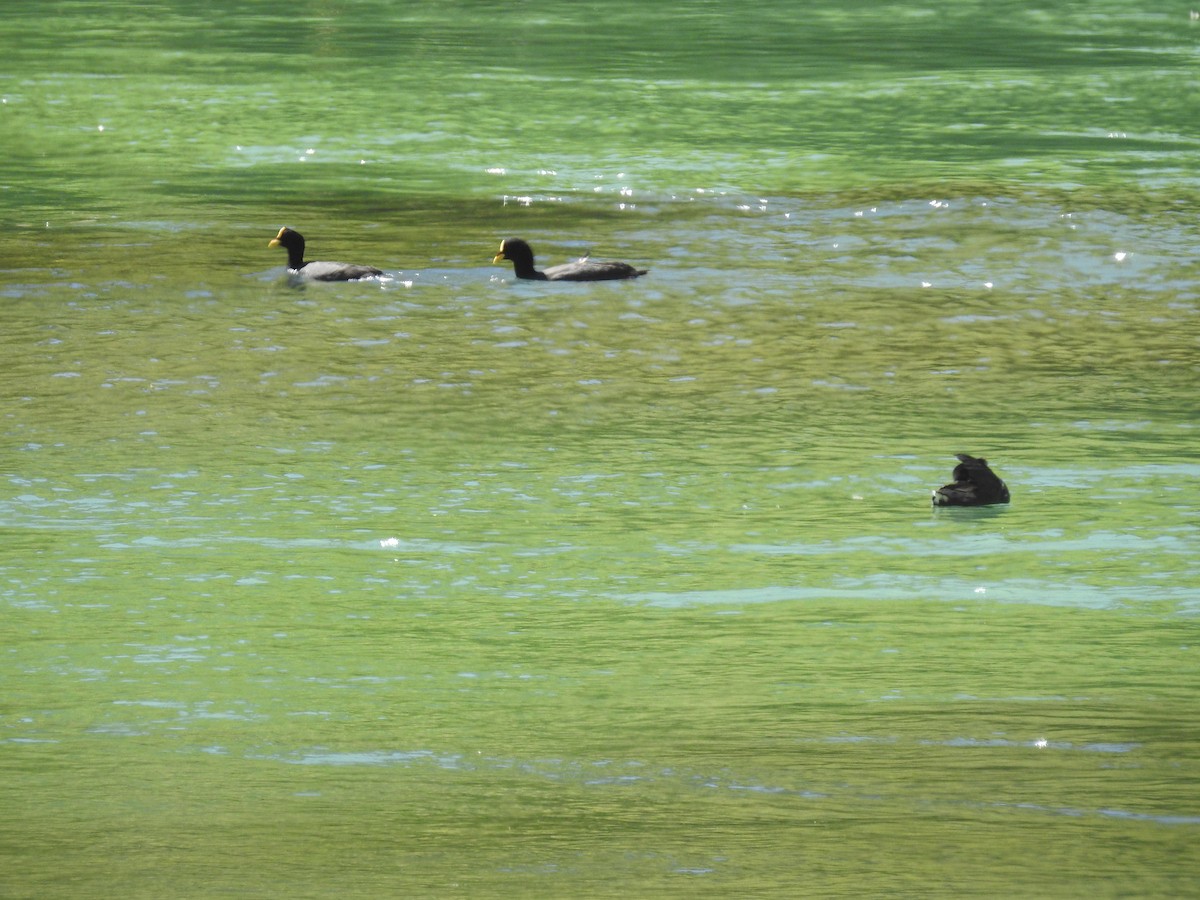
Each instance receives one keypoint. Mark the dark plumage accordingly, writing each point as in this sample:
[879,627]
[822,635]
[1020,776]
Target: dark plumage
[293,242]
[974,485]
[521,256]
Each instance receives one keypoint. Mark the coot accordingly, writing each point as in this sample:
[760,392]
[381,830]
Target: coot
[974,485]
[293,242]
[521,256]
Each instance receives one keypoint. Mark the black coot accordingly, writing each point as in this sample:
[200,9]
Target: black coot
[521,256]
[974,485]
[293,242]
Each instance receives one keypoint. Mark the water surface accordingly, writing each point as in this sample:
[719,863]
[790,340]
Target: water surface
[451,585]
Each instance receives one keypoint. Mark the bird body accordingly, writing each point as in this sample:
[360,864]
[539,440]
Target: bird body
[293,242]
[520,255]
[974,485]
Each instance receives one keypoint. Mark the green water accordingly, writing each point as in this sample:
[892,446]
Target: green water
[450,585]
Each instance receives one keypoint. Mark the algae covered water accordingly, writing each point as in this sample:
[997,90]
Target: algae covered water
[448,584]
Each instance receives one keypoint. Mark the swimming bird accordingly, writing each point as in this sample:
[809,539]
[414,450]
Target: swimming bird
[521,256]
[974,485]
[293,242]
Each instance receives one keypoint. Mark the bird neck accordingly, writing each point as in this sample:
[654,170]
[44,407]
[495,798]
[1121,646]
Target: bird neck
[525,269]
[295,257]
